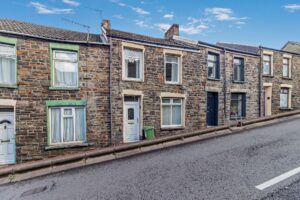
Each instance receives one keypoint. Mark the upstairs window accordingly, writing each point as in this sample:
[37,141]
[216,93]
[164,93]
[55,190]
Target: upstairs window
[267,64]
[238,69]
[65,69]
[238,106]
[8,66]
[133,64]
[286,68]
[213,71]
[172,69]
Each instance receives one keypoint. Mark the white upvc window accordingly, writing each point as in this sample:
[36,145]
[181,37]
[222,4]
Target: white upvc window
[67,124]
[65,70]
[172,69]
[133,64]
[8,67]
[172,112]
[267,64]
[286,68]
[284,98]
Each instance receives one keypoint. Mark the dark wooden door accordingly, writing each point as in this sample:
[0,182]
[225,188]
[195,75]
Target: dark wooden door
[212,109]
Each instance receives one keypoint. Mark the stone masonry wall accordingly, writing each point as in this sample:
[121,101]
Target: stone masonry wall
[193,78]
[277,79]
[33,64]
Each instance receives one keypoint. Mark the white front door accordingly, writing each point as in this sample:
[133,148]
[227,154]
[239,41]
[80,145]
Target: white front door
[7,138]
[131,120]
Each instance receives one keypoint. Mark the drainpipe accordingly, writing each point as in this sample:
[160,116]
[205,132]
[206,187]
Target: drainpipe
[260,81]
[110,92]
[225,85]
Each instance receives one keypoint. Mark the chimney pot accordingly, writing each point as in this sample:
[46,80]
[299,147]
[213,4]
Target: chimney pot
[105,24]
[173,30]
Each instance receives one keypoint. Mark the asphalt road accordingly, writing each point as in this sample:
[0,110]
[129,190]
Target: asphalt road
[228,167]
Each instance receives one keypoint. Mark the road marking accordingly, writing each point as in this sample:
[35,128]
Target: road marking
[278,179]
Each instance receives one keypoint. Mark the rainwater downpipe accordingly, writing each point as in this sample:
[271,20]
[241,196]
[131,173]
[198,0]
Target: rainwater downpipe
[110,92]
[260,81]
[225,85]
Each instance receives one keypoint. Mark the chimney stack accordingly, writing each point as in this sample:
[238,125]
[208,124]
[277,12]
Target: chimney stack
[105,24]
[173,30]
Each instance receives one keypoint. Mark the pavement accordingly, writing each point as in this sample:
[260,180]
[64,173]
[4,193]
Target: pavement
[228,167]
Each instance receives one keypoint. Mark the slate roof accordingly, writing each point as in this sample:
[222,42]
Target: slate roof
[147,39]
[240,47]
[45,32]
[292,46]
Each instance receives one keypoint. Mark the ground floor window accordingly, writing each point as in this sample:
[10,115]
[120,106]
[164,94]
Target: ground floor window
[172,112]
[238,106]
[284,98]
[67,124]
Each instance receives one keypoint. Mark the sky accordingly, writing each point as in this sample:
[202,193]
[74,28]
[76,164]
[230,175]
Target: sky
[270,23]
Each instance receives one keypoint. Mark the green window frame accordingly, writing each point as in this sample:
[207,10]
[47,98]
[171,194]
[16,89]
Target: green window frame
[63,47]
[64,104]
[12,42]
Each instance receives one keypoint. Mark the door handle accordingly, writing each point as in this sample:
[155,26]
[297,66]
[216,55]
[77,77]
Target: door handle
[5,141]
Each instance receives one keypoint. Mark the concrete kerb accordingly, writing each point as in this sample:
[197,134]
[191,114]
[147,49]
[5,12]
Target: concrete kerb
[16,172]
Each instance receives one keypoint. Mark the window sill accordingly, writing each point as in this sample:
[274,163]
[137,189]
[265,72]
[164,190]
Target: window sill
[285,108]
[287,78]
[173,83]
[63,88]
[214,79]
[133,80]
[268,76]
[172,128]
[235,119]
[239,82]
[8,86]
[67,146]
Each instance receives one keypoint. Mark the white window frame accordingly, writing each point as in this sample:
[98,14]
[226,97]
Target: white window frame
[54,59]
[289,58]
[61,124]
[270,54]
[14,57]
[290,88]
[182,101]
[137,47]
[179,64]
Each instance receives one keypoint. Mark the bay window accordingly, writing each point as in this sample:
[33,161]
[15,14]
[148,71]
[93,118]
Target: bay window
[133,64]
[172,111]
[172,69]
[8,66]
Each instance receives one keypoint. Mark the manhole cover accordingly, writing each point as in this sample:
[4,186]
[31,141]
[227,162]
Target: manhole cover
[37,190]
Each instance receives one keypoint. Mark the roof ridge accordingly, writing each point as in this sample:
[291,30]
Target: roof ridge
[44,26]
[248,45]
[137,34]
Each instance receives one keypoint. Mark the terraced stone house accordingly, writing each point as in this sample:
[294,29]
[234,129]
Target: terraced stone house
[279,72]
[63,91]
